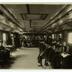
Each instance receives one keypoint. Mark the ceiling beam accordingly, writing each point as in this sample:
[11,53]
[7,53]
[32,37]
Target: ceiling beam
[28,9]
[9,12]
[47,24]
[67,13]
[12,17]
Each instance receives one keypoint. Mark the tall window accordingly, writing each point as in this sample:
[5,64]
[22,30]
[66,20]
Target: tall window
[70,38]
[4,36]
[4,39]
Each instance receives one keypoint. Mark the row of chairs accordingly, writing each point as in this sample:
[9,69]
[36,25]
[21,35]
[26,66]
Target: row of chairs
[50,55]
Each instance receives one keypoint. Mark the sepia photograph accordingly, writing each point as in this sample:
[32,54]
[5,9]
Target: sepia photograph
[36,36]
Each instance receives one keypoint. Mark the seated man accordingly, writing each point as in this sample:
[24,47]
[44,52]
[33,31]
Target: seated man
[4,53]
[1,45]
[41,49]
[44,49]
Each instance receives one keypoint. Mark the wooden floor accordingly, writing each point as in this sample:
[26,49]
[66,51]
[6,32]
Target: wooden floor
[26,58]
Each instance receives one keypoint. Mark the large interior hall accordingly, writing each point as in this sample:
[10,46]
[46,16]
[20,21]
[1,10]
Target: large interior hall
[35,36]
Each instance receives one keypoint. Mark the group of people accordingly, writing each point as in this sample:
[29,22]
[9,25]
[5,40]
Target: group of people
[51,52]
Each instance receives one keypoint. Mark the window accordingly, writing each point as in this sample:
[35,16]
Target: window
[4,37]
[70,38]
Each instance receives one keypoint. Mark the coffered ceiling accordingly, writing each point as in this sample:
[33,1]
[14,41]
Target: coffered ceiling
[32,17]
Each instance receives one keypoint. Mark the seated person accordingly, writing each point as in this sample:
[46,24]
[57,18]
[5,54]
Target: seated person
[1,45]
[4,53]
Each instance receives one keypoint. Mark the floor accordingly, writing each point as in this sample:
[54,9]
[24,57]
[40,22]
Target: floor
[26,58]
